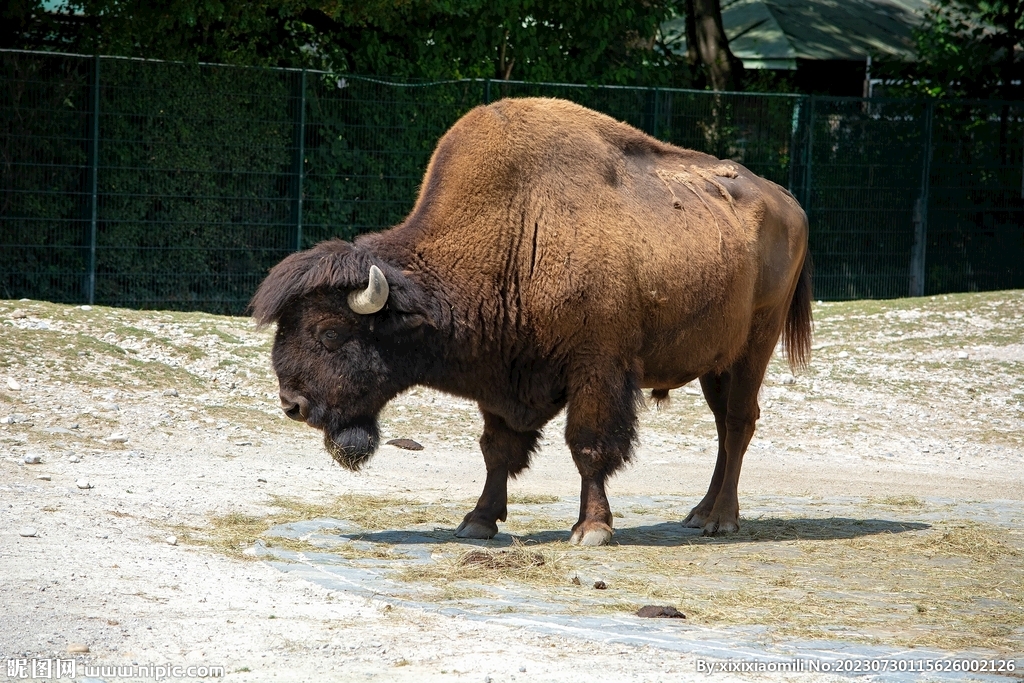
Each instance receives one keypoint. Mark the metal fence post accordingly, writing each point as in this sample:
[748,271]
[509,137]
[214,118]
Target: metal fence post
[793,140]
[917,255]
[299,162]
[487,91]
[94,166]
[809,157]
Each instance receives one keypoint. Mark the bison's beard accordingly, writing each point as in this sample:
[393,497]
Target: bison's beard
[352,445]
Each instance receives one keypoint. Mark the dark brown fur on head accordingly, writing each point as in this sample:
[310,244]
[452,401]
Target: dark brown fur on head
[343,388]
[332,265]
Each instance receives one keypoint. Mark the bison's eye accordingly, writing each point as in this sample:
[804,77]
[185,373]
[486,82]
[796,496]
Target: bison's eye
[331,338]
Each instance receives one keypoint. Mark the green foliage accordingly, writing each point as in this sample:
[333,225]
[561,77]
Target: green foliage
[968,49]
[576,41]
[200,169]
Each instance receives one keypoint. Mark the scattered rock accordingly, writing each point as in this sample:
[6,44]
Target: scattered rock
[171,540]
[27,532]
[57,430]
[600,585]
[576,581]
[18,314]
[170,392]
[13,385]
[33,459]
[109,406]
[78,648]
[663,612]
[407,444]
[963,355]
[843,354]
[116,438]
[74,458]
[83,484]
[43,477]
[86,307]
[243,443]
[787,380]
[261,479]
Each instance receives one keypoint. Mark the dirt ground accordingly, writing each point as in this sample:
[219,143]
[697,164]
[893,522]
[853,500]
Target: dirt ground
[882,506]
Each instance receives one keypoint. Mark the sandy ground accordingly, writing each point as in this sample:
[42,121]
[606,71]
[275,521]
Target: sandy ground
[172,418]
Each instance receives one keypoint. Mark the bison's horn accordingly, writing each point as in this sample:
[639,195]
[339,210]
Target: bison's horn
[373,298]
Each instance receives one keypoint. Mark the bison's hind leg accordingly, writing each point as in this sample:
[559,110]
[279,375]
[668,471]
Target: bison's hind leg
[716,393]
[506,454]
[732,397]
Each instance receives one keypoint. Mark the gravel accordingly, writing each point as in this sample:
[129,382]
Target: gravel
[198,387]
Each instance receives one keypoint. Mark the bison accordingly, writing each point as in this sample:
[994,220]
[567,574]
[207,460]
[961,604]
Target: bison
[555,258]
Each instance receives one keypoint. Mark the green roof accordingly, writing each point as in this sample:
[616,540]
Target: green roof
[773,34]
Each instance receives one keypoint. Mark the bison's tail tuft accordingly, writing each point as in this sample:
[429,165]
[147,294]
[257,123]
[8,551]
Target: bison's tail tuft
[797,335]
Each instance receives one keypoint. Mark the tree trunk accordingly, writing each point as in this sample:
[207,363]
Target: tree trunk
[723,68]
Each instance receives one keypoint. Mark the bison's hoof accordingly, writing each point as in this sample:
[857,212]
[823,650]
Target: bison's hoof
[695,520]
[474,528]
[600,535]
[721,526]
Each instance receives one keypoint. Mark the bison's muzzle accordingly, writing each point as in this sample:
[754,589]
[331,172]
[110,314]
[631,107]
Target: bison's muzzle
[295,406]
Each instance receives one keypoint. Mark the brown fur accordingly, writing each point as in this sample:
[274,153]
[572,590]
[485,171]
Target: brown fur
[555,258]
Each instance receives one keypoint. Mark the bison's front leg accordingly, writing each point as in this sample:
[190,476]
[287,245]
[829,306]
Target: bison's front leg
[600,428]
[506,454]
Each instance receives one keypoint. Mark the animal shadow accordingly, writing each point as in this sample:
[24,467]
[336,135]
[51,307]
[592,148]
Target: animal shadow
[760,530]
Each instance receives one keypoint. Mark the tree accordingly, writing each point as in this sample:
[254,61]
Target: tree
[707,44]
[969,48]
[584,41]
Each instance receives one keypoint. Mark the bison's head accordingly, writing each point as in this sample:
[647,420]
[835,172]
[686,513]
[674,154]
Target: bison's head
[352,332]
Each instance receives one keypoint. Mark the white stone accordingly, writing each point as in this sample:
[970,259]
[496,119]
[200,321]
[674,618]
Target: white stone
[33,459]
[27,532]
[963,355]
[83,484]
[43,477]
[171,392]
[171,540]
[787,379]
[13,385]
[116,438]
[74,458]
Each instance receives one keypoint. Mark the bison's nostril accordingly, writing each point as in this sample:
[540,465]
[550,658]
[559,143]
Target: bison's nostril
[295,407]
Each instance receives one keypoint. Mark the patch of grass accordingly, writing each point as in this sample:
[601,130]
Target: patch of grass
[532,499]
[899,501]
[235,532]
[373,513]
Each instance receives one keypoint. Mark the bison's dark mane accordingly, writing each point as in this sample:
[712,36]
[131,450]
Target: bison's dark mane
[334,265]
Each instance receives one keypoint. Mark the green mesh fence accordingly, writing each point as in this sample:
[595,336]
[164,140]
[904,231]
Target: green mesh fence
[153,184]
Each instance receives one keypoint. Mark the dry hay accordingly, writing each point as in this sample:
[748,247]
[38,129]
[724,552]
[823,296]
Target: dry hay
[520,563]
[953,585]
[518,557]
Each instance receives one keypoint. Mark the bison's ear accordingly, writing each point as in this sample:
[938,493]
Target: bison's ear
[410,308]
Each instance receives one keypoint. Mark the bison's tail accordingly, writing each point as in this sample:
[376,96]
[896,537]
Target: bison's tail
[797,335]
